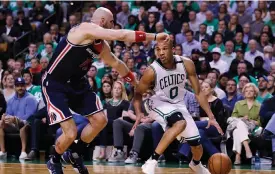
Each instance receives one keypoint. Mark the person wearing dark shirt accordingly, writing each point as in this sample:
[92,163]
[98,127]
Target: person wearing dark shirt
[38,14]
[11,31]
[150,27]
[138,56]
[205,53]
[3,104]
[181,13]
[239,41]
[170,24]
[231,94]
[258,67]
[115,109]
[22,22]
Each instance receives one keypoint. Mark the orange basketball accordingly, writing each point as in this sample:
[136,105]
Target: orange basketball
[219,163]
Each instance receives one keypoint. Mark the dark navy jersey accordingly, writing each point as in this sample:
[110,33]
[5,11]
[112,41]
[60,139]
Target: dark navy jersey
[71,62]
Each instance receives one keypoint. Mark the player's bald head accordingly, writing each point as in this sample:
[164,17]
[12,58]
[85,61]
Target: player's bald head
[103,16]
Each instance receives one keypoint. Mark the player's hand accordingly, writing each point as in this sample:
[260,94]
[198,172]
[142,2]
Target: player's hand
[131,133]
[162,37]
[213,122]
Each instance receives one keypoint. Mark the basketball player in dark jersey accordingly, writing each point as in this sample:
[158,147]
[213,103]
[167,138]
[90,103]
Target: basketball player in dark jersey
[64,87]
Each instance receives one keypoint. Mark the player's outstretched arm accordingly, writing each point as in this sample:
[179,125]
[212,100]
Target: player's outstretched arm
[93,31]
[191,71]
[143,86]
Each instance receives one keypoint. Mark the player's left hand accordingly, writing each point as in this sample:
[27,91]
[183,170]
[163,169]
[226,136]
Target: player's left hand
[162,37]
[131,133]
[213,122]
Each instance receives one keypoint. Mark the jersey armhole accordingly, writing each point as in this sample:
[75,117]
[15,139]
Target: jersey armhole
[155,74]
[182,58]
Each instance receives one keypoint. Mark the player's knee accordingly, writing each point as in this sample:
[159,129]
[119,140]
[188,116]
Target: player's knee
[177,120]
[196,143]
[71,133]
[100,119]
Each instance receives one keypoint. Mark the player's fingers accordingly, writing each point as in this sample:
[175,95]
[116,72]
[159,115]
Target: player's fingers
[208,125]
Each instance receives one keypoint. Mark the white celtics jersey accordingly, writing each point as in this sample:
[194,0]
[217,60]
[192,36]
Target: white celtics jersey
[170,83]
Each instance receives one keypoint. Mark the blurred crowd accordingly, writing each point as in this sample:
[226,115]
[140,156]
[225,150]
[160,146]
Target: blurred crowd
[230,42]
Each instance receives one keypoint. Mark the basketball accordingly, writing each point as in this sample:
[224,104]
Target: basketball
[219,163]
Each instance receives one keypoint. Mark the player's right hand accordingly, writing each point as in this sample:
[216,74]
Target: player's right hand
[162,37]
[213,122]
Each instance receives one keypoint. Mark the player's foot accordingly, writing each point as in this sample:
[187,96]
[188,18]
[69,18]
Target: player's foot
[117,156]
[3,155]
[161,159]
[198,169]
[149,166]
[54,168]
[132,158]
[23,155]
[76,161]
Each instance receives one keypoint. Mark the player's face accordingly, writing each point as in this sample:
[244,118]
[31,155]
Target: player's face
[109,24]
[164,52]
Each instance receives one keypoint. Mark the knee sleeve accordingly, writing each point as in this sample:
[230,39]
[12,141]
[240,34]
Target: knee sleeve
[175,117]
[195,142]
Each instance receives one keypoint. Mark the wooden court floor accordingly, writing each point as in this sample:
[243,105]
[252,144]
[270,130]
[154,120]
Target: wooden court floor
[23,168]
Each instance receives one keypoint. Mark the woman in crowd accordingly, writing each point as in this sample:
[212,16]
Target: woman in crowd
[9,88]
[234,25]
[223,15]
[247,112]
[115,108]
[105,92]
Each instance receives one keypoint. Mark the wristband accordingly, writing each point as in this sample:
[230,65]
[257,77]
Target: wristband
[130,77]
[140,36]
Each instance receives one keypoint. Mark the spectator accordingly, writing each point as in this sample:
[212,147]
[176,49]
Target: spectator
[138,56]
[234,25]
[56,35]
[223,14]
[114,74]
[246,33]
[32,54]
[22,22]
[115,109]
[132,23]
[38,14]
[181,13]
[201,34]
[194,22]
[234,64]
[178,50]
[122,17]
[271,84]
[229,55]
[214,77]
[105,92]
[232,96]
[242,68]
[264,41]
[271,22]
[267,29]
[150,27]
[163,8]
[222,29]
[180,37]
[48,51]
[160,28]
[72,23]
[204,69]
[223,78]
[131,64]
[5,7]
[88,16]
[170,23]
[247,111]
[258,69]
[253,52]
[201,16]
[18,65]
[218,42]
[263,91]
[272,68]
[190,43]
[262,5]
[36,69]
[257,25]
[213,6]
[9,88]
[10,32]
[47,38]
[10,64]
[239,41]
[242,15]
[44,62]
[205,51]
[211,23]
[195,55]
[19,108]
[217,62]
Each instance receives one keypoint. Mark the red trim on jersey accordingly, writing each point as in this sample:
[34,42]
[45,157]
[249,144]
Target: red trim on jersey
[98,46]
[59,58]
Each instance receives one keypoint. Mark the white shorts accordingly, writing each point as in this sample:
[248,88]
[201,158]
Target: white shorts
[159,111]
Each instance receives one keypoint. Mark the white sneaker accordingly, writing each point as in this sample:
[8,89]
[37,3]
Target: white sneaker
[3,155]
[198,169]
[23,155]
[149,166]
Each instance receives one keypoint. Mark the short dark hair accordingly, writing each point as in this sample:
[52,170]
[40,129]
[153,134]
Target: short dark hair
[233,80]
[189,31]
[259,10]
[26,71]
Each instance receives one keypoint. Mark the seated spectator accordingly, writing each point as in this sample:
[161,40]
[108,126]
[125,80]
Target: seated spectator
[22,22]
[56,35]
[243,16]
[223,78]
[47,38]
[20,8]
[222,29]
[253,52]
[194,22]
[170,24]
[229,55]
[218,111]
[93,73]
[217,63]
[115,108]
[218,42]
[234,25]
[203,9]
[271,22]
[257,24]
[5,6]
[48,51]
[264,41]
[223,13]
[190,43]
[180,37]
[114,74]
[19,108]
[233,70]
[213,76]
[105,92]
[271,84]
[88,16]
[9,88]
[232,95]
[132,23]
[10,32]
[138,56]
[239,41]
[258,68]
[243,79]
[92,84]
[44,62]
[201,34]
[268,57]
[122,17]
[211,23]
[178,50]
[72,23]
[205,53]
[246,33]
[150,27]
[36,69]
[242,68]
[247,113]
[38,14]
[263,92]
[31,54]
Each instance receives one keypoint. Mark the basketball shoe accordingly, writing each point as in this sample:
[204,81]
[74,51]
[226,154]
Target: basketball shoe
[76,161]
[198,169]
[149,166]
[54,168]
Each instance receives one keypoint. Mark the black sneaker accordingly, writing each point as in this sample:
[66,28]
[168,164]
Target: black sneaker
[76,161]
[54,168]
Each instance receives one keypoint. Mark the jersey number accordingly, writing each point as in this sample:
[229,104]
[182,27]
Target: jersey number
[174,92]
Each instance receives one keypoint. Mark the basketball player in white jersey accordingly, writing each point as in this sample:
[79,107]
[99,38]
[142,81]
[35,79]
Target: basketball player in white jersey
[168,75]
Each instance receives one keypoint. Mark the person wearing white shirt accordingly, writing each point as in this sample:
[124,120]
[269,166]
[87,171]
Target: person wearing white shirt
[194,23]
[252,53]
[217,63]
[201,15]
[268,58]
[213,76]
[190,43]
[228,56]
